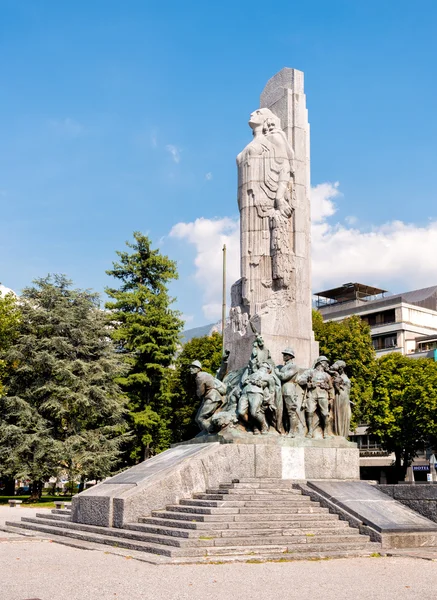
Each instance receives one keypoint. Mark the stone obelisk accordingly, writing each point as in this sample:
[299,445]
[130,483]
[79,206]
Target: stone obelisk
[273,296]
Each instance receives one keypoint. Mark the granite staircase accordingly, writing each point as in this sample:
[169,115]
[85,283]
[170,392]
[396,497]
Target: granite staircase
[248,519]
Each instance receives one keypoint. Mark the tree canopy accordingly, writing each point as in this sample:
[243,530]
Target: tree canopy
[9,321]
[61,408]
[350,341]
[146,331]
[402,412]
[184,403]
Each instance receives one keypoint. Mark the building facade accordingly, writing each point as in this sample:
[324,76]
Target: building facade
[405,323]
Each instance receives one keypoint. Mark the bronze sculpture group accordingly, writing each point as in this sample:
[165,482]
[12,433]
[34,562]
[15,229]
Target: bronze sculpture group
[263,398]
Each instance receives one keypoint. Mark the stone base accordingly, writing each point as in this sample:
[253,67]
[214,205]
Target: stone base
[238,435]
[197,466]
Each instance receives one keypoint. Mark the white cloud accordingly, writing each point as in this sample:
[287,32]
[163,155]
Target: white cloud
[5,290]
[208,237]
[154,139]
[396,256]
[175,152]
[187,318]
[322,206]
[67,127]
[208,176]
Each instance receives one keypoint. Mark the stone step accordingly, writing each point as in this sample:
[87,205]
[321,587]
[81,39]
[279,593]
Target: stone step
[254,497]
[202,510]
[212,503]
[223,525]
[250,495]
[255,491]
[255,488]
[133,534]
[264,552]
[303,553]
[327,549]
[264,480]
[111,540]
[303,501]
[166,540]
[247,518]
[55,517]
[235,538]
[246,532]
[279,510]
[246,510]
[262,485]
[61,511]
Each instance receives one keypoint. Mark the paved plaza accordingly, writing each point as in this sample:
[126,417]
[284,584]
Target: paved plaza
[32,568]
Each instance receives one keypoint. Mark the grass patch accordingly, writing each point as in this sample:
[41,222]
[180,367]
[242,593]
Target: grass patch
[205,537]
[43,502]
[375,555]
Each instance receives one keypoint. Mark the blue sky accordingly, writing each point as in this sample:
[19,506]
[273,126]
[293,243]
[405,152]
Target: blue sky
[117,116]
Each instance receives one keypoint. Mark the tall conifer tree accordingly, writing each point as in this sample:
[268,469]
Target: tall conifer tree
[62,409]
[146,330]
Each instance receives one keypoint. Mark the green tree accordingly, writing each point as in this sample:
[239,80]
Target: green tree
[60,388]
[146,330]
[350,341]
[9,321]
[403,410]
[207,349]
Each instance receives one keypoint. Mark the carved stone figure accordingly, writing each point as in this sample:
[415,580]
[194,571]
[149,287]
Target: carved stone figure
[211,391]
[342,403]
[287,374]
[260,354]
[319,395]
[265,174]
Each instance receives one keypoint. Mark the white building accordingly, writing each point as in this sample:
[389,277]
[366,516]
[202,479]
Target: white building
[405,323]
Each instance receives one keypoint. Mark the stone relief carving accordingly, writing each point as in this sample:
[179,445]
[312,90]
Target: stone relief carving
[239,319]
[262,398]
[265,200]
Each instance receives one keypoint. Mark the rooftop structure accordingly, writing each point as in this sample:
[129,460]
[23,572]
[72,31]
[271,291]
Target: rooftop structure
[349,292]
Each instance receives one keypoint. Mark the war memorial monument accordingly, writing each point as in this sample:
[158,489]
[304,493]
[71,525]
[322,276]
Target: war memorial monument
[271,472]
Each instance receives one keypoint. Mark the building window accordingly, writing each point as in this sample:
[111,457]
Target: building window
[425,346]
[368,442]
[383,317]
[385,342]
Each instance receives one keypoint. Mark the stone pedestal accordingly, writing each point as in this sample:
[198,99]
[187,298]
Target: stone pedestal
[206,462]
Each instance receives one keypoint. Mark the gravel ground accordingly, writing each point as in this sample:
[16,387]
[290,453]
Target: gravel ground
[48,571]
[41,570]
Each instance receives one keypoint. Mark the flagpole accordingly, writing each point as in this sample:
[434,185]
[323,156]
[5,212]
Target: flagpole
[224,298]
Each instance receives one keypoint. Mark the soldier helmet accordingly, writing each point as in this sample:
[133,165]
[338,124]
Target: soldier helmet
[289,352]
[320,359]
[338,364]
[196,363]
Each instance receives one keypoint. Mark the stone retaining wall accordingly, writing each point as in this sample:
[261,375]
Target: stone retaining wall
[420,497]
